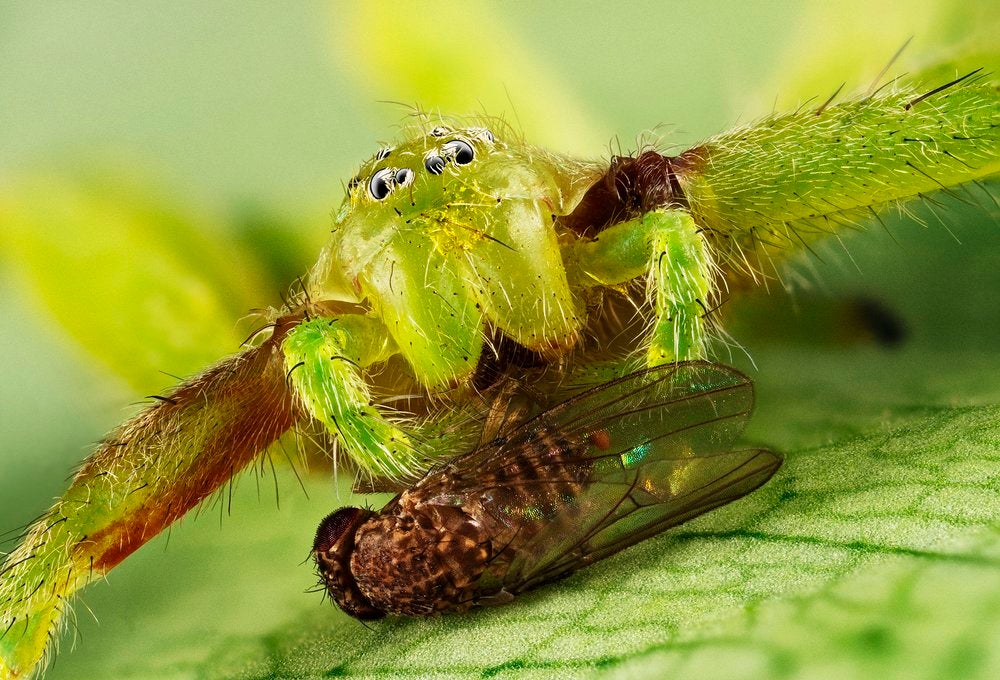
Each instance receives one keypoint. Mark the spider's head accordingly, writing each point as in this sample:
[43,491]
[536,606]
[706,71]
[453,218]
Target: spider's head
[332,550]
[448,234]
[418,172]
[423,185]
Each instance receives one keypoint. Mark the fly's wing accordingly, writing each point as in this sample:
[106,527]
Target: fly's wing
[606,469]
[646,502]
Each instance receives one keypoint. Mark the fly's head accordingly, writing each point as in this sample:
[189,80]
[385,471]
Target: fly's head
[332,551]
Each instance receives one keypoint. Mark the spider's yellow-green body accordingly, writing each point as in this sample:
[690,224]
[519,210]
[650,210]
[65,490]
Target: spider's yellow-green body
[460,238]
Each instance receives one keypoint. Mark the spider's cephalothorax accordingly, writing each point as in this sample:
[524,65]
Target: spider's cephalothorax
[465,242]
[449,232]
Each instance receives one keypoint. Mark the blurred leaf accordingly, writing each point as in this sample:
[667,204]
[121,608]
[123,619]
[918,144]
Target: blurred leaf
[823,51]
[459,58]
[140,286]
[284,249]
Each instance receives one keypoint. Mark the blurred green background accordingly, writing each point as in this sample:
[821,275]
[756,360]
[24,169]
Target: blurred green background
[166,167]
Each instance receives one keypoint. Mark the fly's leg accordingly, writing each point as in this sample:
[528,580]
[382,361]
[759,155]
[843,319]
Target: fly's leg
[325,359]
[666,247]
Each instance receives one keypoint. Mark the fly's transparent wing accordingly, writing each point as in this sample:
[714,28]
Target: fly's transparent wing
[605,470]
[613,515]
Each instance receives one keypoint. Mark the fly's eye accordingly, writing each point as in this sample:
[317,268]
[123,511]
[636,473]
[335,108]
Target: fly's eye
[440,131]
[460,151]
[403,177]
[337,526]
[381,184]
[434,164]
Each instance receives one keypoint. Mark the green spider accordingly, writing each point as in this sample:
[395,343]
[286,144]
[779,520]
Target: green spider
[461,255]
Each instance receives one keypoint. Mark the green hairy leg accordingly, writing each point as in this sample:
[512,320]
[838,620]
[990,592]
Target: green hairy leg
[666,246]
[324,359]
[772,187]
[145,475]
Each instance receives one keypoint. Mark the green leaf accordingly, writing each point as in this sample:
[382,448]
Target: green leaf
[142,286]
[926,500]
[858,556]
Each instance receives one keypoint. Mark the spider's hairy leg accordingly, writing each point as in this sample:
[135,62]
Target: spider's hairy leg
[766,190]
[145,475]
[667,247]
[324,359]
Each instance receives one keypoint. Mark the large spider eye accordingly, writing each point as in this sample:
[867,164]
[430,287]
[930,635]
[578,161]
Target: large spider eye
[434,164]
[403,177]
[381,184]
[460,151]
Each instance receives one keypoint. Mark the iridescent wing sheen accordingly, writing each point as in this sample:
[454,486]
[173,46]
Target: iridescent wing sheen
[605,520]
[606,469]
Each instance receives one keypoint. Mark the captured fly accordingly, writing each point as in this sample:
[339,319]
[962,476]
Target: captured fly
[607,468]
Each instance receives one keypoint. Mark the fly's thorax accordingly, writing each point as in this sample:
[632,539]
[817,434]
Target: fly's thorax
[516,499]
[332,548]
[419,559]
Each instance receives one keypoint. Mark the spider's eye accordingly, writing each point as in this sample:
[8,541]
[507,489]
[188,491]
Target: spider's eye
[460,151]
[383,153]
[434,164]
[440,131]
[381,184]
[403,177]
[483,133]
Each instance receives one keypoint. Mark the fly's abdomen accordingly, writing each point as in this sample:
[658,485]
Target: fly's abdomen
[533,487]
[535,493]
